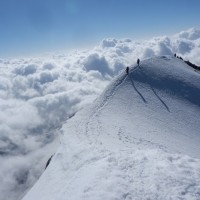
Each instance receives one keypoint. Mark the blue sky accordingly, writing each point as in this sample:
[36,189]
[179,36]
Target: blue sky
[36,26]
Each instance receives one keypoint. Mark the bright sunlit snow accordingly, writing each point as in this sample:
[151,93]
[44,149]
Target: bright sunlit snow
[138,140]
[38,96]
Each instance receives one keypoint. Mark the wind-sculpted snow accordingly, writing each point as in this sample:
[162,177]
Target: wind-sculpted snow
[37,95]
[138,140]
[138,174]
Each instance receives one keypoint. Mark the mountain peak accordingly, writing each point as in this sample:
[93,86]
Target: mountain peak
[126,144]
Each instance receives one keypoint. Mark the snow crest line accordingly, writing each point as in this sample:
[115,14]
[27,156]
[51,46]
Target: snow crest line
[114,88]
[105,98]
[108,95]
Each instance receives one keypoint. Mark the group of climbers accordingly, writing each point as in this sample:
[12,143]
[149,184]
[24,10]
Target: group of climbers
[196,67]
[127,68]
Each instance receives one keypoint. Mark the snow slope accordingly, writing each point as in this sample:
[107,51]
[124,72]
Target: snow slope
[139,140]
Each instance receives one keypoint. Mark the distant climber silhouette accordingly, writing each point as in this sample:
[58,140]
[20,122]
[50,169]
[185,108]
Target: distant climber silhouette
[48,162]
[127,70]
[138,61]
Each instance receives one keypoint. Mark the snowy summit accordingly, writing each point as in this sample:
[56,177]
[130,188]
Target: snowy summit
[139,140]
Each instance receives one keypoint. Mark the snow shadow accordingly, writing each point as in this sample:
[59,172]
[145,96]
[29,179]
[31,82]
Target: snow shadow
[131,78]
[144,79]
[175,87]
[158,97]
[165,105]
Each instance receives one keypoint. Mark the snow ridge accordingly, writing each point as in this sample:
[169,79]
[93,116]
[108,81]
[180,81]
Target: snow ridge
[139,140]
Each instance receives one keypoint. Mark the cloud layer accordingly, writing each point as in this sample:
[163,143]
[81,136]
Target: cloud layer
[38,95]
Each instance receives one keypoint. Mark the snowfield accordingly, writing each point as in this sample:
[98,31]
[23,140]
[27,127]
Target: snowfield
[139,140]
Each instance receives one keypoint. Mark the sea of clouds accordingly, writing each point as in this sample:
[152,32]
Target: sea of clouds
[38,95]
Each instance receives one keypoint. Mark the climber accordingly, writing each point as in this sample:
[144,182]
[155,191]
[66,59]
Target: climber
[127,70]
[138,61]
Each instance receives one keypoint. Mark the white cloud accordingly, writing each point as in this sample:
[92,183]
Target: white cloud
[148,52]
[26,70]
[97,63]
[37,95]
[106,43]
[191,34]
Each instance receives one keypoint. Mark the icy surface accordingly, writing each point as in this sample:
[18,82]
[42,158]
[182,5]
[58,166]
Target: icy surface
[139,140]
